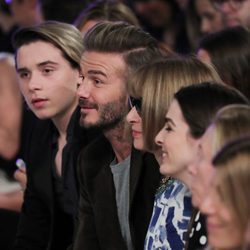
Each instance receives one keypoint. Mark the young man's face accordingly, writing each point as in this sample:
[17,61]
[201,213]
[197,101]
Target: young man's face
[102,95]
[47,80]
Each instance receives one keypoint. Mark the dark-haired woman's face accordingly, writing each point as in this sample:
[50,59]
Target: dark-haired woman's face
[178,146]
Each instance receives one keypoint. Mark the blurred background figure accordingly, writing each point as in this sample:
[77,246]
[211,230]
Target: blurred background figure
[27,12]
[182,4]
[32,12]
[227,205]
[236,12]
[165,21]
[10,103]
[229,51]
[64,10]
[202,18]
[7,27]
[109,10]
[11,197]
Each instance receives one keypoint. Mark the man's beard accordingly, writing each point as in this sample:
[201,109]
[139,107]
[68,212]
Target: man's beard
[111,114]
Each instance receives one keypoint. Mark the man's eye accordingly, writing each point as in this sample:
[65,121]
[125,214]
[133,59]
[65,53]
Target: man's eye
[47,71]
[23,75]
[97,81]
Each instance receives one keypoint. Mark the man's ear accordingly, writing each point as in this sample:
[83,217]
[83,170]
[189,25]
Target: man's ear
[80,78]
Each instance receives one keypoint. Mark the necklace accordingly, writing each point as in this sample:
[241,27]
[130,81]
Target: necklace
[165,183]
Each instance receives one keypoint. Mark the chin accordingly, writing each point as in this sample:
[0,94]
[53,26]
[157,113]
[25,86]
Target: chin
[42,116]
[138,145]
[163,170]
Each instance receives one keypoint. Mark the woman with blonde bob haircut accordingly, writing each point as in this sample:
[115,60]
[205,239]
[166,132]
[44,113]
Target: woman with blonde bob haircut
[227,204]
[151,92]
[157,83]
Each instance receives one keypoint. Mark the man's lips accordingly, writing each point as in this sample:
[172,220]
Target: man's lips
[86,105]
[38,102]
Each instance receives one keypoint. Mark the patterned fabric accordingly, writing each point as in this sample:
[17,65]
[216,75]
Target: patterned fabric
[198,234]
[170,218]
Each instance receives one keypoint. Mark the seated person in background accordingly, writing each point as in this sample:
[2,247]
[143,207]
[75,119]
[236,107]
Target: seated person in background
[229,52]
[227,203]
[231,122]
[102,10]
[11,196]
[236,12]
[10,111]
[202,18]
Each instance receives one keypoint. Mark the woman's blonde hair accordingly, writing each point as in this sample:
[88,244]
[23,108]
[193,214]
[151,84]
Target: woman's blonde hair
[157,83]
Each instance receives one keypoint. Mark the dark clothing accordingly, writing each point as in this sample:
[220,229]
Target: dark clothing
[42,218]
[197,233]
[5,40]
[98,219]
[8,227]
[9,219]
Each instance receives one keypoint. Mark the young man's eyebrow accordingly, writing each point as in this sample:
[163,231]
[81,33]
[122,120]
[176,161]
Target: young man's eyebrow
[39,65]
[24,69]
[46,63]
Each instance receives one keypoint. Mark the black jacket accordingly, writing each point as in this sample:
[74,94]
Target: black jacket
[98,220]
[39,217]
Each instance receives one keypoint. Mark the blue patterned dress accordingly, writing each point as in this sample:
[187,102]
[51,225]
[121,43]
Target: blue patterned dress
[170,218]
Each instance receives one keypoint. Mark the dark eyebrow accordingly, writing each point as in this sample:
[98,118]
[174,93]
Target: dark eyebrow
[96,72]
[169,120]
[21,69]
[39,65]
[46,62]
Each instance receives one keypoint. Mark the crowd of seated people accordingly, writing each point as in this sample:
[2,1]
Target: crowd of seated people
[124,124]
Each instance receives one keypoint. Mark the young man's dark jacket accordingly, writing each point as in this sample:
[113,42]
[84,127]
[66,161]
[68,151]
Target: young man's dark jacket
[98,226]
[43,224]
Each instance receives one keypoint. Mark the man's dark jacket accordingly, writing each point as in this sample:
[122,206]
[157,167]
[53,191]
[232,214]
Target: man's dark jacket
[98,226]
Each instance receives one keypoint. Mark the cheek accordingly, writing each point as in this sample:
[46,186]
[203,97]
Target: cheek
[24,90]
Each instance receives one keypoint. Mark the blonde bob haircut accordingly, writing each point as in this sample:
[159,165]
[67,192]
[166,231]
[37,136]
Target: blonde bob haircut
[232,165]
[157,83]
